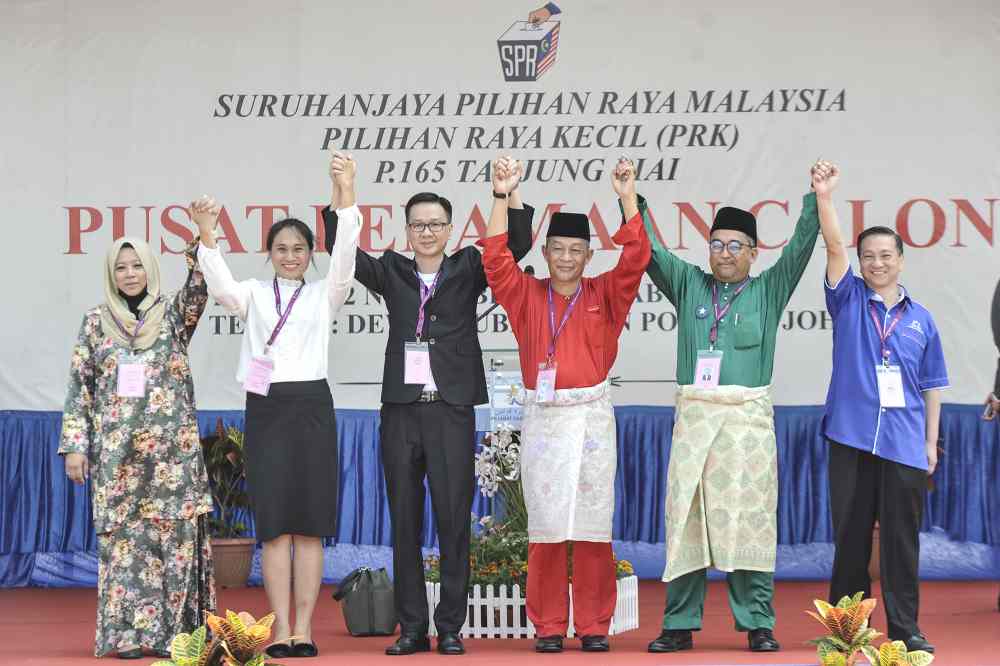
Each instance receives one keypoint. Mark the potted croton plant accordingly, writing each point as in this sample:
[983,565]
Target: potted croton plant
[236,639]
[851,638]
[225,461]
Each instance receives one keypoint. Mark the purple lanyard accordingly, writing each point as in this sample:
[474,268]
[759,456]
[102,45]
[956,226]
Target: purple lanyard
[282,318]
[138,323]
[552,318]
[425,295]
[884,335]
[713,335]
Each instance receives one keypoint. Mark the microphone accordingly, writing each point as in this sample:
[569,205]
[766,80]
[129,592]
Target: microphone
[528,270]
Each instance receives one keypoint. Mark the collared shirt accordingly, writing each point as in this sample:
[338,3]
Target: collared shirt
[300,352]
[587,348]
[428,280]
[748,332]
[854,415]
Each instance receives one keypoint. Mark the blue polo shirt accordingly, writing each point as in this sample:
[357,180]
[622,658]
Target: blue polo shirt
[854,416]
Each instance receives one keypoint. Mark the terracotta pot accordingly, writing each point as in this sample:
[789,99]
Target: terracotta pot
[873,564]
[232,559]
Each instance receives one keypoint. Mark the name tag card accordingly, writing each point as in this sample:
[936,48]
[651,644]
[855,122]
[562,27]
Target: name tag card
[416,363]
[131,378]
[890,385]
[259,375]
[707,369]
[545,386]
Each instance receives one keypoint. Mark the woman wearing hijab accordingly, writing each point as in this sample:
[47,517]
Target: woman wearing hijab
[129,425]
[291,437]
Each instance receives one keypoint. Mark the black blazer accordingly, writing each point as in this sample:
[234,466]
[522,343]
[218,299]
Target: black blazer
[450,317]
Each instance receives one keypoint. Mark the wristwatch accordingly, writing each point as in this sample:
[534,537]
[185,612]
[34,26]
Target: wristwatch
[501,195]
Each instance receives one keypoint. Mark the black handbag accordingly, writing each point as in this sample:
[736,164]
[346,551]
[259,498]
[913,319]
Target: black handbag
[367,602]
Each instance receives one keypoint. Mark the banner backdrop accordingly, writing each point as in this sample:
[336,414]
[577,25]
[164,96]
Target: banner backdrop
[118,114]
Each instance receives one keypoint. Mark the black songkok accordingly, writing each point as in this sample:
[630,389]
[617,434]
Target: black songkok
[570,225]
[736,219]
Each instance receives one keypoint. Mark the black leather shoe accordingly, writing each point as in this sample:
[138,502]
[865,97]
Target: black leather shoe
[134,653]
[548,644]
[305,650]
[595,643]
[162,654]
[918,642]
[672,640]
[406,644]
[279,651]
[450,643]
[762,640]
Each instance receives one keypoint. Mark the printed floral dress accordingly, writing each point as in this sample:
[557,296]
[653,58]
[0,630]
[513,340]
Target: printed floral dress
[150,489]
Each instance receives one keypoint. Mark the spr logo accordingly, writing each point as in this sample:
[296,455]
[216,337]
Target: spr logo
[528,48]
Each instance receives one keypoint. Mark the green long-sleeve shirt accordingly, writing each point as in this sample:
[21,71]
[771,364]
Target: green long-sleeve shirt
[748,331]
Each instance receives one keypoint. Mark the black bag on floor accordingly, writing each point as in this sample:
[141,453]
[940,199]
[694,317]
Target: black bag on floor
[367,603]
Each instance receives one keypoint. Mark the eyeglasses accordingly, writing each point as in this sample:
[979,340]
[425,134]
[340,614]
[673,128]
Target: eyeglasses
[421,227]
[734,246]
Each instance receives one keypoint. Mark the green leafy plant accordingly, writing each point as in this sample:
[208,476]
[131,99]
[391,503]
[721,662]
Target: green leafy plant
[895,654]
[237,640]
[225,461]
[847,623]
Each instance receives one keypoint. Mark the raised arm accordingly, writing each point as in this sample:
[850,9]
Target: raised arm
[345,249]
[668,272]
[508,282]
[189,302]
[825,178]
[784,276]
[519,218]
[232,295]
[621,284]
[368,270]
[77,422]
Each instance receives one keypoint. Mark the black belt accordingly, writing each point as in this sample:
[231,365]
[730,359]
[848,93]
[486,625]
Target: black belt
[429,396]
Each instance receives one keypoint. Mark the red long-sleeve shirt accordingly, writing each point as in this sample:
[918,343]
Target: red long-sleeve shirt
[588,345]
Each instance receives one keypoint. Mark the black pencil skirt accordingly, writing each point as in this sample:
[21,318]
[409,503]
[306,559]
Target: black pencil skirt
[292,461]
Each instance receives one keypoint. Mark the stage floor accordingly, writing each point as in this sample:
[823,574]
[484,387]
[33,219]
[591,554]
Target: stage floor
[56,627]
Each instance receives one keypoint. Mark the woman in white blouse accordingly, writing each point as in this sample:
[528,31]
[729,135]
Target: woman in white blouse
[291,441]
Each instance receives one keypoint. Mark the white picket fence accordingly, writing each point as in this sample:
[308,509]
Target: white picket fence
[501,613]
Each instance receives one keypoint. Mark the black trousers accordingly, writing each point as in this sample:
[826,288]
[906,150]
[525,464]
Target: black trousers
[865,488]
[436,440]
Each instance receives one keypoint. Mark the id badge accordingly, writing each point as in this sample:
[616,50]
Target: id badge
[545,386]
[131,377]
[259,375]
[890,385]
[416,363]
[708,368]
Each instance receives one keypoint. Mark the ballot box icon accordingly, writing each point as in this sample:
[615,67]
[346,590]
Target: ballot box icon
[527,51]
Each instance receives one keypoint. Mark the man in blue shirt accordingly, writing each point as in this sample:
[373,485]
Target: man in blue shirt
[882,414]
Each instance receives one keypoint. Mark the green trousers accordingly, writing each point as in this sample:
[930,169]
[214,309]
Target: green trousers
[750,595]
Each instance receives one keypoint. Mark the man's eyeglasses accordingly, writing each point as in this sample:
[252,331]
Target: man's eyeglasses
[734,246]
[421,227]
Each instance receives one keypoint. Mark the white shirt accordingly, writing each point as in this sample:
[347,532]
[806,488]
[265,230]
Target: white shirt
[300,351]
[428,280]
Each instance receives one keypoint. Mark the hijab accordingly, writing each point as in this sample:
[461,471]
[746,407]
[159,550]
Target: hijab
[116,304]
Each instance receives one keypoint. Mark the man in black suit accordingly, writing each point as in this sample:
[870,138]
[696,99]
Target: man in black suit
[432,380]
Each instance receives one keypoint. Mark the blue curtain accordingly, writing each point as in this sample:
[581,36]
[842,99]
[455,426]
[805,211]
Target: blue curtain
[46,534]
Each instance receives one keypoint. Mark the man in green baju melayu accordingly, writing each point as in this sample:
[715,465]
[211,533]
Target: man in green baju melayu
[722,482]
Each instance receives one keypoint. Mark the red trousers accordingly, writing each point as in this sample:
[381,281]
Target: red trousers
[595,588]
